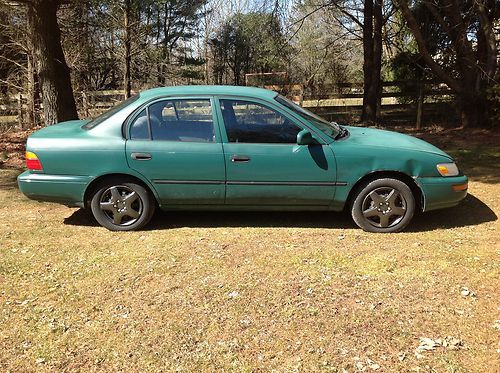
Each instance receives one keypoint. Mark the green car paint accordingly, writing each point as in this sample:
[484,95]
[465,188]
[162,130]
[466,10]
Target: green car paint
[203,175]
[379,150]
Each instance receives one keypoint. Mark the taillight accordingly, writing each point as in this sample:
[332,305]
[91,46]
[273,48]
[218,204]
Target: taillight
[32,162]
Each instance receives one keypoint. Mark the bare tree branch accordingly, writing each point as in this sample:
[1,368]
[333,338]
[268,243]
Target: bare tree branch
[422,47]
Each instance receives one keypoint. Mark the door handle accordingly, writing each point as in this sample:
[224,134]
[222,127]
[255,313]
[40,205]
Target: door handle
[141,156]
[240,158]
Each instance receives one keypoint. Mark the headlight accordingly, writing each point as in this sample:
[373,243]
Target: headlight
[447,169]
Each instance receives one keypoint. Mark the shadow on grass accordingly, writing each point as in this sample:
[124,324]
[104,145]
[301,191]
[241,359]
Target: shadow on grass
[216,219]
[261,219]
[471,211]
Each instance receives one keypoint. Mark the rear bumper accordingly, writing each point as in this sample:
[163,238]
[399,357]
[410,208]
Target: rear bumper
[66,189]
[442,192]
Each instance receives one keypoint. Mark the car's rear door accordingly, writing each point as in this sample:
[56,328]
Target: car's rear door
[264,164]
[175,143]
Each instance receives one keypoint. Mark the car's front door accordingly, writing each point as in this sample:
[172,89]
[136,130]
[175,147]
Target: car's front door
[264,164]
[174,143]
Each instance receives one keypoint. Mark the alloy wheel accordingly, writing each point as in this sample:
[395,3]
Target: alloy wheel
[121,205]
[384,207]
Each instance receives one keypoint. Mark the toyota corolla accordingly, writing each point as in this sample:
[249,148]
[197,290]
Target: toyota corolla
[234,148]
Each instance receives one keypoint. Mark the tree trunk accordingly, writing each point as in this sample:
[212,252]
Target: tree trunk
[127,42]
[472,98]
[159,64]
[33,87]
[53,72]
[476,67]
[31,93]
[469,110]
[420,104]
[206,66]
[372,58]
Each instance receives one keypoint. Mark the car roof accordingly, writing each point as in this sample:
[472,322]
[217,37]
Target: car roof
[208,90]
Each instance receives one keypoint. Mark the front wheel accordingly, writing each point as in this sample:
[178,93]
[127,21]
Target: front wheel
[383,206]
[122,206]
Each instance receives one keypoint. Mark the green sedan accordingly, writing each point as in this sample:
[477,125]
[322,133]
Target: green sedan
[234,148]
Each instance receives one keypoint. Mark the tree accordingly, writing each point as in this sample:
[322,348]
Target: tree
[11,54]
[369,17]
[132,44]
[245,43]
[127,44]
[469,47]
[372,61]
[52,71]
[176,23]
[324,52]
[123,16]
[90,39]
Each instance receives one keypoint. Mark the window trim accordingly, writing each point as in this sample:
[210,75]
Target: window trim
[127,124]
[266,104]
[294,118]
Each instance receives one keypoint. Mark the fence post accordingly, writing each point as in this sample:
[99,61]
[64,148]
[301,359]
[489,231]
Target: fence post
[20,120]
[378,110]
[420,105]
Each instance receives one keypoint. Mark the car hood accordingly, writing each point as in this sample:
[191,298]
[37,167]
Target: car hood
[389,139]
[60,130]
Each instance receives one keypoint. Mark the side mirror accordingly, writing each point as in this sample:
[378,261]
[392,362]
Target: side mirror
[305,137]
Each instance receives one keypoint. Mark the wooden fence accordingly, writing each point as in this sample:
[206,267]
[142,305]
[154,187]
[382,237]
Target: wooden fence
[342,100]
[409,100]
[92,104]
[14,108]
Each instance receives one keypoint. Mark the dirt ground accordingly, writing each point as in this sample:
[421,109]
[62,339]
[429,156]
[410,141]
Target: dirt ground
[253,291]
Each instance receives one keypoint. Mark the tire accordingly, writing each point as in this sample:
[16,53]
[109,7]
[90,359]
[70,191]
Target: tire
[122,205]
[383,206]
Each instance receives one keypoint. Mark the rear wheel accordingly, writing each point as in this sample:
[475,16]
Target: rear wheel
[120,205]
[383,205]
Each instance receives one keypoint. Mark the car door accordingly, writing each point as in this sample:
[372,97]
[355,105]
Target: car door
[264,164]
[175,144]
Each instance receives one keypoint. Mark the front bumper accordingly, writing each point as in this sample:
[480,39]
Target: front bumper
[66,189]
[442,192]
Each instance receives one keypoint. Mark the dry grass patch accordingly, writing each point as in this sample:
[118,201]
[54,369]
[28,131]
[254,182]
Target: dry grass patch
[248,291]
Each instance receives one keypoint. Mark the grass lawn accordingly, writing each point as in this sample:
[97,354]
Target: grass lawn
[253,291]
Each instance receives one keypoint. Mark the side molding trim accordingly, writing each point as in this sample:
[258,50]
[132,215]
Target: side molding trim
[219,182]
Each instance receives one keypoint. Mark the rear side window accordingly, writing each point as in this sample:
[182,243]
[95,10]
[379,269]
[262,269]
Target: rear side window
[251,122]
[140,127]
[188,120]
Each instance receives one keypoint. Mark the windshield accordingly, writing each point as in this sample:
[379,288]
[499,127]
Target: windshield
[330,129]
[101,118]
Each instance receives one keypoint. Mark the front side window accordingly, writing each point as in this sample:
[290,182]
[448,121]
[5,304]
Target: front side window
[188,120]
[251,122]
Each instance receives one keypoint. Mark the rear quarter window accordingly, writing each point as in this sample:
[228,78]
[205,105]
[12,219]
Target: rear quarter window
[101,118]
